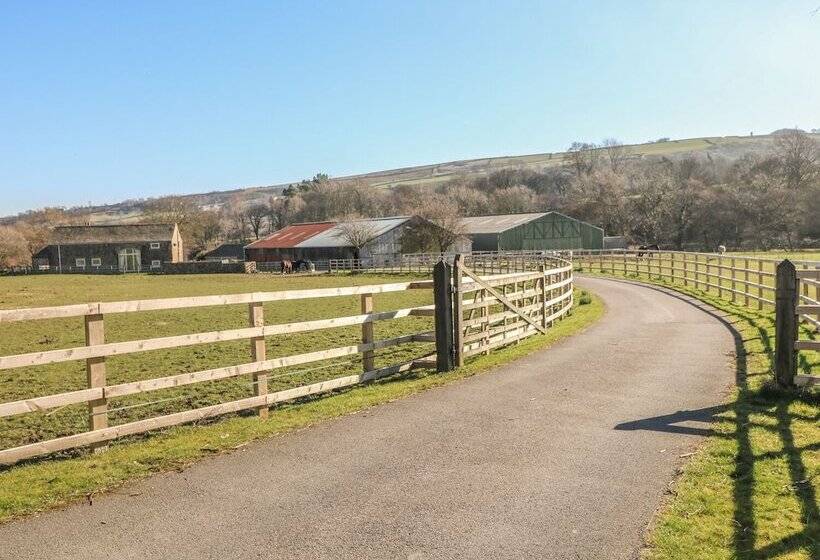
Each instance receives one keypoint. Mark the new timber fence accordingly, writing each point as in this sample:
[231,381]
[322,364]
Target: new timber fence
[790,289]
[472,314]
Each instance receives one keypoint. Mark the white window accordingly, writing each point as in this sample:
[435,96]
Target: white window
[156,264]
[155,245]
[96,261]
[79,263]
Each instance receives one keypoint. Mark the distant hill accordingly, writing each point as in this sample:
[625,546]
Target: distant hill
[729,147]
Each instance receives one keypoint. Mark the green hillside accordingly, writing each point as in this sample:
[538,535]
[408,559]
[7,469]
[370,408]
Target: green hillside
[729,147]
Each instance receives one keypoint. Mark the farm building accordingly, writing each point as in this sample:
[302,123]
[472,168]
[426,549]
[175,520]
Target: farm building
[110,248]
[284,243]
[227,252]
[615,242]
[327,240]
[532,231]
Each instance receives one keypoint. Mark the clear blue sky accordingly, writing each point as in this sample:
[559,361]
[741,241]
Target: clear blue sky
[102,101]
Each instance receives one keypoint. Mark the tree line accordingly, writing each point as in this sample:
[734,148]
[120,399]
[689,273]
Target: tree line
[690,202]
[697,201]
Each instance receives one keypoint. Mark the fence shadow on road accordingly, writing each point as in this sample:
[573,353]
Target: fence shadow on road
[750,402]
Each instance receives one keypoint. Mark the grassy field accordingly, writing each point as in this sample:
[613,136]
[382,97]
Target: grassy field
[41,484]
[807,255]
[752,492]
[35,291]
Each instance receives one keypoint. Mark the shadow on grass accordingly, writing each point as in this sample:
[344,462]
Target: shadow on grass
[764,400]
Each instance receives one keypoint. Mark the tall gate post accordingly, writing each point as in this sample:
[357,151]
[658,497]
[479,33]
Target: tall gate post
[443,299]
[458,312]
[785,358]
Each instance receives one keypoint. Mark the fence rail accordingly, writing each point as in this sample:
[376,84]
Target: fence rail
[95,352]
[482,302]
[542,295]
[790,288]
[504,308]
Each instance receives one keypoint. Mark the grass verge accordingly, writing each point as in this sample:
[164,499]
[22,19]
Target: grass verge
[39,485]
[752,490]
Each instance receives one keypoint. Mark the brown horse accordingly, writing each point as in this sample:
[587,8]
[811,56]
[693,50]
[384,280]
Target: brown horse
[287,267]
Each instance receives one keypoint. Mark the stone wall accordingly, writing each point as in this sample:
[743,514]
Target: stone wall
[208,267]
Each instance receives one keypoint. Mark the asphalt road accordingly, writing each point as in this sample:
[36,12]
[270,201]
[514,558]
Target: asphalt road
[564,454]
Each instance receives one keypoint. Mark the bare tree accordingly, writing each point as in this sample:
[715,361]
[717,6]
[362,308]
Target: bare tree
[209,231]
[800,157]
[356,233]
[14,247]
[234,225]
[193,221]
[440,228]
[256,216]
[36,235]
[583,156]
[616,153]
[516,199]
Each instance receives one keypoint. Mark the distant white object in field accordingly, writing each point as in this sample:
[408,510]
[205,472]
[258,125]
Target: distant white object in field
[721,249]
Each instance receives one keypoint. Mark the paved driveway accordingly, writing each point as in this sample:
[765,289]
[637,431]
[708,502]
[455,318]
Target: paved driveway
[564,454]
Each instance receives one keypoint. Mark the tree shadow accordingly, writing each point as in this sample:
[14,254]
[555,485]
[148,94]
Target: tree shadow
[766,402]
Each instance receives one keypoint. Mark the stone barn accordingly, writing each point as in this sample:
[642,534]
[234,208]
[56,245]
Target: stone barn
[548,231]
[110,248]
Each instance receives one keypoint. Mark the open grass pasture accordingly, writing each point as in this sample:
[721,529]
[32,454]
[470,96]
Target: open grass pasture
[803,255]
[46,290]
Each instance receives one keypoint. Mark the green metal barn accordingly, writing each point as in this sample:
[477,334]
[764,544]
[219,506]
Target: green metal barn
[532,231]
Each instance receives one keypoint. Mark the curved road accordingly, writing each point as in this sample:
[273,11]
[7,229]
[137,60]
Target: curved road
[565,453]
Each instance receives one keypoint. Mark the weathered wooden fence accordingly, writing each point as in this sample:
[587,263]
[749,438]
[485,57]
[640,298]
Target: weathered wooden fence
[790,289]
[98,392]
[500,309]
[506,307]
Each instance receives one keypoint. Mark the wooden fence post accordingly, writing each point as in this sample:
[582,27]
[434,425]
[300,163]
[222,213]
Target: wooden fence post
[368,356]
[759,284]
[544,314]
[95,373]
[458,312]
[443,298]
[785,358]
[256,318]
[719,275]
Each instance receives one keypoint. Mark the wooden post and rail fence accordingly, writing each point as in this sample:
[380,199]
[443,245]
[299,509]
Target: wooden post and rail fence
[791,289]
[482,302]
[499,309]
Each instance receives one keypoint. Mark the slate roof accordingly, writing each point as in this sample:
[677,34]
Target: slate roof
[123,233]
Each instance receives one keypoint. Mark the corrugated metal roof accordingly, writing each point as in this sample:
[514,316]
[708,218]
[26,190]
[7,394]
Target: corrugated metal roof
[121,233]
[498,222]
[334,236]
[290,236]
